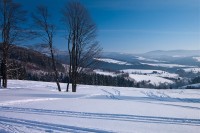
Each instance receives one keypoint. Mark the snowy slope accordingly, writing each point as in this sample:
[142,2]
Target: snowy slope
[150,78]
[112,61]
[106,73]
[197,59]
[157,73]
[149,60]
[154,77]
[141,71]
[166,65]
[197,86]
[36,107]
[193,70]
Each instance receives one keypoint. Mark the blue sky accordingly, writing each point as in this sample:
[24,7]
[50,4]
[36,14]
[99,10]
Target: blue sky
[136,26]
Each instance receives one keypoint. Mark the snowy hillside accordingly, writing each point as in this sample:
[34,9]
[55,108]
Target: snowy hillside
[36,107]
[154,80]
[106,73]
[113,61]
[149,60]
[197,59]
[167,65]
[157,73]
[197,86]
[194,70]
[154,77]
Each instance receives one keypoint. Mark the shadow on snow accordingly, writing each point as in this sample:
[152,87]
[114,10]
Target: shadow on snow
[104,116]
[48,127]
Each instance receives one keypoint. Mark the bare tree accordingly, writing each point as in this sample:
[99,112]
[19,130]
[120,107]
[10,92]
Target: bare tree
[42,21]
[81,37]
[12,18]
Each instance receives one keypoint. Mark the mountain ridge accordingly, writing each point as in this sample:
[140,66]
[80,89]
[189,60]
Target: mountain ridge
[173,53]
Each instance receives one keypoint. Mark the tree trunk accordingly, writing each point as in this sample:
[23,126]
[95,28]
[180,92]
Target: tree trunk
[69,79]
[67,90]
[70,73]
[73,79]
[55,70]
[73,86]
[70,62]
[4,74]
[4,69]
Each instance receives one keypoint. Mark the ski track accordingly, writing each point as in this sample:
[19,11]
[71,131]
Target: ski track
[7,128]
[118,117]
[9,125]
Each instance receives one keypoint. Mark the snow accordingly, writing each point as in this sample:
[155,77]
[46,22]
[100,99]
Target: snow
[197,59]
[26,101]
[37,107]
[112,61]
[178,56]
[141,71]
[151,78]
[154,76]
[191,86]
[166,65]
[106,73]
[157,73]
[193,70]
[146,59]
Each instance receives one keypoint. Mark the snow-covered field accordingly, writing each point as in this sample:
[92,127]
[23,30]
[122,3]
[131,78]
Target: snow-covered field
[197,59]
[197,85]
[154,80]
[32,107]
[193,70]
[149,60]
[141,71]
[106,73]
[112,61]
[166,65]
[154,77]
[157,73]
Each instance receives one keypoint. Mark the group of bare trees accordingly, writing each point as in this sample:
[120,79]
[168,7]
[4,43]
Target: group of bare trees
[80,36]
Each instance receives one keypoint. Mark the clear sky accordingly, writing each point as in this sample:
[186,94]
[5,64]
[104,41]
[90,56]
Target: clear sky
[136,26]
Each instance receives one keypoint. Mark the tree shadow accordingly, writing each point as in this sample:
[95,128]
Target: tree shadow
[164,97]
[53,95]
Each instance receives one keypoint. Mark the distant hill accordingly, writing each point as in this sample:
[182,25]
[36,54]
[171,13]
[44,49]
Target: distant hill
[31,56]
[31,64]
[27,60]
[173,53]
